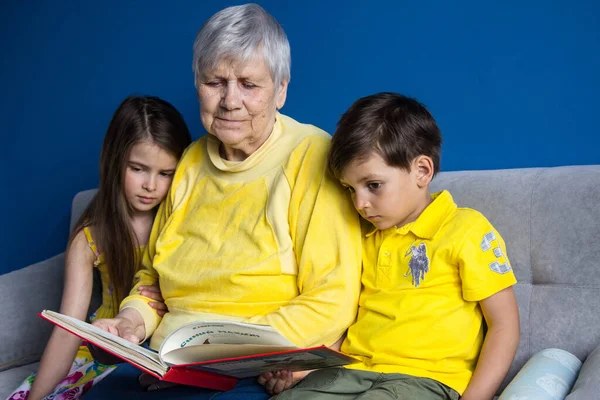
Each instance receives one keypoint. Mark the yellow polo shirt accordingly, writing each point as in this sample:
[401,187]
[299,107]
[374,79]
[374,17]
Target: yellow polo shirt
[418,310]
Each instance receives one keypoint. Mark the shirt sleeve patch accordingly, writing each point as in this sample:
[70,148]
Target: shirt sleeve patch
[500,268]
[489,241]
[486,243]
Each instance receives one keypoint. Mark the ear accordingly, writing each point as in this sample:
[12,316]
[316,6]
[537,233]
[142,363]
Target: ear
[422,167]
[281,94]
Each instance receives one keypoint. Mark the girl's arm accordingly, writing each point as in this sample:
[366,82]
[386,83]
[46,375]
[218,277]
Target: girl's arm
[62,347]
[499,346]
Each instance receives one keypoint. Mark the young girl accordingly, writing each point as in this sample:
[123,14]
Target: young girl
[145,139]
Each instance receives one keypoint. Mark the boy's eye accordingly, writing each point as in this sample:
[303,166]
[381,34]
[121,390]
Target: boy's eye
[374,185]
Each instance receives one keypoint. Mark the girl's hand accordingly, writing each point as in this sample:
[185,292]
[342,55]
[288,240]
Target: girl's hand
[278,381]
[154,293]
[122,327]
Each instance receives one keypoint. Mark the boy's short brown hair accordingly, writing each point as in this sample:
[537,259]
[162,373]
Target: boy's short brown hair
[396,127]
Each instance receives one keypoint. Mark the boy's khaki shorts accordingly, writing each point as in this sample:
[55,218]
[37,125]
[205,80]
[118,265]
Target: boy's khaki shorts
[346,384]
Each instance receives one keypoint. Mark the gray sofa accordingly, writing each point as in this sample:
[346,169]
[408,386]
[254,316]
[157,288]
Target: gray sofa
[549,217]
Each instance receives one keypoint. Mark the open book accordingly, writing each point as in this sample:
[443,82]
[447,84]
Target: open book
[210,354]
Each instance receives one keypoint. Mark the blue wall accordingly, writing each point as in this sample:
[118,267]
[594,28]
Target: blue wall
[512,84]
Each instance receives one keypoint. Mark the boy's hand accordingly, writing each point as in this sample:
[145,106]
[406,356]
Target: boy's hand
[154,293]
[278,381]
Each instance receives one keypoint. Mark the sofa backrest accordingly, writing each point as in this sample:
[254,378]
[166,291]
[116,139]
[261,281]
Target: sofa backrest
[80,202]
[550,221]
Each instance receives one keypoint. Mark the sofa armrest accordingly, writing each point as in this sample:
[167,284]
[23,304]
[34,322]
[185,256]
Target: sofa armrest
[23,294]
[587,385]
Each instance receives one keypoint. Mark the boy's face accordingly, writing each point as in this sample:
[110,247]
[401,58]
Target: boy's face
[388,196]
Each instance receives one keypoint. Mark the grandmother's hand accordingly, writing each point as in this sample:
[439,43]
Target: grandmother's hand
[153,292]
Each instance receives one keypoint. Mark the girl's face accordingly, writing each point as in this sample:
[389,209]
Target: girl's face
[148,175]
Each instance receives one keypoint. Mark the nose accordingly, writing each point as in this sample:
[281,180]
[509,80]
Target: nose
[361,201]
[230,99]
[149,184]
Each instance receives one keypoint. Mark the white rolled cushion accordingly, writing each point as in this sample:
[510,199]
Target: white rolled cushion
[548,375]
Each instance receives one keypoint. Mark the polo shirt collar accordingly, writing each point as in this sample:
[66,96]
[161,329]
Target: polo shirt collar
[431,219]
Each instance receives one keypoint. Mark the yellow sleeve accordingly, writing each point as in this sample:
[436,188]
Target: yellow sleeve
[483,262]
[326,235]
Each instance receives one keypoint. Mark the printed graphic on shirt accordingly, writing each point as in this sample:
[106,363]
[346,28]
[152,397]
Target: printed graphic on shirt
[489,242]
[418,265]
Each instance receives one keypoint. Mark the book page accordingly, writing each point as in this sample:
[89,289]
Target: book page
[112,343]
[199,334]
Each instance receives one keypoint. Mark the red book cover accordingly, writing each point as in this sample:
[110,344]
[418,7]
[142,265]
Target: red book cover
[209,354]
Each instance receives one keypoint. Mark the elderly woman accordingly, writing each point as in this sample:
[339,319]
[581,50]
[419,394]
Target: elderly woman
[254,228]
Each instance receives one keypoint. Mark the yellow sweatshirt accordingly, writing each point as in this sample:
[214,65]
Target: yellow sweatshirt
[271,240]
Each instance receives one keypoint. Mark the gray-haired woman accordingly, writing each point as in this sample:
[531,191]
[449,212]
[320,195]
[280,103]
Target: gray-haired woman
[254,228]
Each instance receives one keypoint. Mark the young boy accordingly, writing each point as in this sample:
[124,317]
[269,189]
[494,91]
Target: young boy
[432,272]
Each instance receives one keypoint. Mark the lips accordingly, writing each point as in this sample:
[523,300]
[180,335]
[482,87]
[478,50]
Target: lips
[229,119]
[146,200]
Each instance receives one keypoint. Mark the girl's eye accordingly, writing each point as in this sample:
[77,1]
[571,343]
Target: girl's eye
[136,169]
[166,174]
[350,189]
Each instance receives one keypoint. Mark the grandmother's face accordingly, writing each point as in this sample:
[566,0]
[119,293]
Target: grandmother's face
[238,104]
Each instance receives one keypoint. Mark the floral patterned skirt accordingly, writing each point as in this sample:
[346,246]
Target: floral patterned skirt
[84,374]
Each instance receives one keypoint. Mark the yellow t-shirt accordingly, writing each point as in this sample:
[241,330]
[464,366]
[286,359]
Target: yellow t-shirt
[418,310]
[271,240]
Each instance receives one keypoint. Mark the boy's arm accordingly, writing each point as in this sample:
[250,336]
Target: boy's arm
[499,346]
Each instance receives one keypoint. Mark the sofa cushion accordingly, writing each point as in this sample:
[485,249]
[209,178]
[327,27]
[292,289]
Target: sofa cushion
[23,294]
[11,379]
[587,385]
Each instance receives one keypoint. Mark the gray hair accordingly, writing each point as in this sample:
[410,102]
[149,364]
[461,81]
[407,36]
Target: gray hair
[237,33]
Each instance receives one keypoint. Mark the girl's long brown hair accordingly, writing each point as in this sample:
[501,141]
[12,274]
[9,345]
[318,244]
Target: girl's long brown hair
[138,118]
